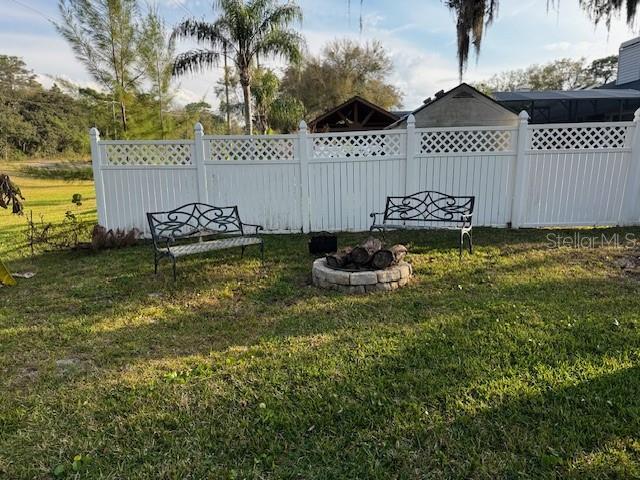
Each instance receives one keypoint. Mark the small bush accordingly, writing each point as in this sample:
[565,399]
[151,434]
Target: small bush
[47,236]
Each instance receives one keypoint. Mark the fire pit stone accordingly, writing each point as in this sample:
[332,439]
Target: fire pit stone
[366,281]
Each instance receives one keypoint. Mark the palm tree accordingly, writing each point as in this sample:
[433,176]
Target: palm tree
[246,30]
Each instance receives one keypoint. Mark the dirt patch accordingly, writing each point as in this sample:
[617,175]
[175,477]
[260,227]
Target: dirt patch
[629,263]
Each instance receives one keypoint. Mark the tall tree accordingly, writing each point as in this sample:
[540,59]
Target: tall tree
[102,34]
[248,29]
[602,70]
[14,75]
[344,69]
[156,52]
[561,74]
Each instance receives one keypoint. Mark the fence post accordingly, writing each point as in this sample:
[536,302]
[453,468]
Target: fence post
[521,171]
[412,182]
[632,188]
[96,164]
[303,158]
[198,157]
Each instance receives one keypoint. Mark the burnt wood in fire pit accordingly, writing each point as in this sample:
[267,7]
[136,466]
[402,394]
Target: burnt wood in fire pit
[386,257]
[362,254]
[370,255]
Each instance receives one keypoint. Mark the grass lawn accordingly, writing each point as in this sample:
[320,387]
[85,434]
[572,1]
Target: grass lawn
[521,361]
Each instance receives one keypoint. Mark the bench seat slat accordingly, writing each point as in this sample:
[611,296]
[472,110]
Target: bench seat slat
[201,247]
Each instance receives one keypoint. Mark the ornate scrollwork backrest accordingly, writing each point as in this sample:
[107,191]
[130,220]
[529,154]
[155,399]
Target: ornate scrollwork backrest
[429,206]
[195,219]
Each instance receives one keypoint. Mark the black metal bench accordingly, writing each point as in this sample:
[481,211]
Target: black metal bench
[199,220]
[426,208]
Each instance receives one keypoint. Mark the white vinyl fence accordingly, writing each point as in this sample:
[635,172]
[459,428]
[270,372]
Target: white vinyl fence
[525,176]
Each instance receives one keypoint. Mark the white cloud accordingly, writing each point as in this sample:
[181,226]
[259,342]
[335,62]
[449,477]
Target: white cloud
[558,46]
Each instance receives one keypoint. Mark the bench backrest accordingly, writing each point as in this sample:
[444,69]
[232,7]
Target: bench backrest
[195,219]
[429,206]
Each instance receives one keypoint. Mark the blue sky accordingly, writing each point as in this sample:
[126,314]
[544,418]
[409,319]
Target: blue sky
[419,35]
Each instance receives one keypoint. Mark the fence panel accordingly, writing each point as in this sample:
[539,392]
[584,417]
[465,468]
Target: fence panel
[467,161]
[569,174]
[350,176]
[145,176]
[260,174]
[577,174]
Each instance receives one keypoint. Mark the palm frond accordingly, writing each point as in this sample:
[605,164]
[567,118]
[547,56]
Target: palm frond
[285,44]
[194,61]
[277,16]
[211,34]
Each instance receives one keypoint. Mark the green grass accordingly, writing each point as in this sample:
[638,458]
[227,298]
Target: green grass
[518,362]
[49,198]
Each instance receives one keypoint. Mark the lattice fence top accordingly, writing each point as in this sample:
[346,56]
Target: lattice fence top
[578,138]
[365,145]
[464,141]
[168,154]
[252,149]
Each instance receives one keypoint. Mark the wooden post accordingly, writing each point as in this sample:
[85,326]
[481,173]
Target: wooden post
[96,164]
[198,159]
[412,180]
[521,171]
[631,207]
[303,152]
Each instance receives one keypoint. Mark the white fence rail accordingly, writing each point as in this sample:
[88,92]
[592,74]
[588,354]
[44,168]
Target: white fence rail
[529,176]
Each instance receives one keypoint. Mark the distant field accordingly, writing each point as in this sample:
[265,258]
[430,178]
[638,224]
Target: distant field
[49,197]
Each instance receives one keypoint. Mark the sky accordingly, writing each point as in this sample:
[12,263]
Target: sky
[419,36]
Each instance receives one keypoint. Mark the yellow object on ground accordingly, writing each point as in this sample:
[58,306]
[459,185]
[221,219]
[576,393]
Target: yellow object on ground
[5,275]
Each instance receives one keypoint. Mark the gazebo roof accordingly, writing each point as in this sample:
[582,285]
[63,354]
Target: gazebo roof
[354,114]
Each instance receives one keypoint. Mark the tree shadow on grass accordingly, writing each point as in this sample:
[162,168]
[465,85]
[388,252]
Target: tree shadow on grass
[421,382]
[220,301]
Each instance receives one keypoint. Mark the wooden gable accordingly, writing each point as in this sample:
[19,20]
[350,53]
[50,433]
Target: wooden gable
[353,115]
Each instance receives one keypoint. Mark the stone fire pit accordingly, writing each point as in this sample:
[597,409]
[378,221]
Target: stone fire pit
[364,281]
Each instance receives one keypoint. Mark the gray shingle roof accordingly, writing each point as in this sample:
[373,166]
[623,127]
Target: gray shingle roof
[598,93]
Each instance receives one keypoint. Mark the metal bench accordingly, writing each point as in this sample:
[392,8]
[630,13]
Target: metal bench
[199,220]
[425,208]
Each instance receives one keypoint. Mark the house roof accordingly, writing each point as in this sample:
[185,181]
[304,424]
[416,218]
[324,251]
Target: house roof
[592,94]
[444,95]
[337,111]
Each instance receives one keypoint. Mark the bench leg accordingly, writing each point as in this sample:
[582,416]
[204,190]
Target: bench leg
[155,263]
[242,251]
[468,234]
[174,268]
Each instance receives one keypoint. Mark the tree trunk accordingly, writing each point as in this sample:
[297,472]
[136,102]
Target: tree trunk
[226,89]
[361,255]
[123,115]
[246,92]
[339,259]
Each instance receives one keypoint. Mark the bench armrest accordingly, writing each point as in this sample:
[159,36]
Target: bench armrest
[467,217]
[374,215]
[257,228]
